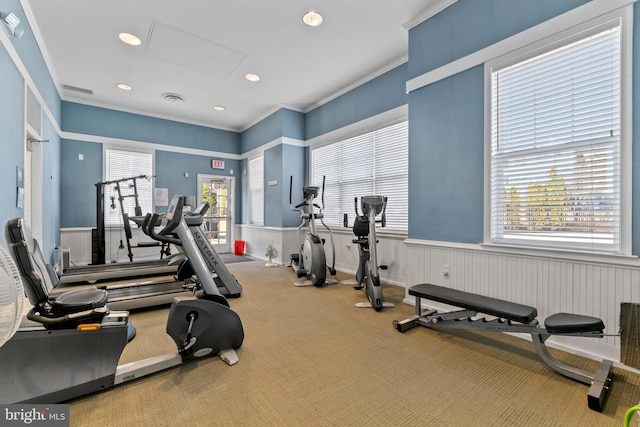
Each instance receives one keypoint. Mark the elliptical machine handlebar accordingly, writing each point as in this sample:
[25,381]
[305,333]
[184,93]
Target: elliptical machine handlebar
[383,220]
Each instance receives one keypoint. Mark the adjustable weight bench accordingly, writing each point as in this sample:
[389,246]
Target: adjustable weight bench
[513,317]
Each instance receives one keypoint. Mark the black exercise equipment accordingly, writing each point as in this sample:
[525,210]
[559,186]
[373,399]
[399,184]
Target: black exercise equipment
[69,347]
[99,269]
[364,228]
[514,318]
[98,239]
[310,261]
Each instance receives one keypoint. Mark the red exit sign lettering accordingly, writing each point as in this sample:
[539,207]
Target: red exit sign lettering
[217,164]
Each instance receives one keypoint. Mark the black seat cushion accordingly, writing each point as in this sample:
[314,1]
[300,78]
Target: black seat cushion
[563,323]
[480,303]
[78,300]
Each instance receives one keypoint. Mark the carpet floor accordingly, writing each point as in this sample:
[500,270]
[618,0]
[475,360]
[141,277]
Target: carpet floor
[311,358]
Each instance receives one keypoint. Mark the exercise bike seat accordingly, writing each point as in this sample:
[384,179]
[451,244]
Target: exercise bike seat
[566,323]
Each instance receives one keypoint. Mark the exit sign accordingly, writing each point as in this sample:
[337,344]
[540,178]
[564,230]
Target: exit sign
[217,164]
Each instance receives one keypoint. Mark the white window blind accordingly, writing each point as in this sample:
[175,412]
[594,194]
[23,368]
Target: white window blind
[555,147]
[375,163]
[256,191]
[121,164]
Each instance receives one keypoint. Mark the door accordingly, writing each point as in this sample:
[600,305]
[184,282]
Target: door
[218,221]
[32,187]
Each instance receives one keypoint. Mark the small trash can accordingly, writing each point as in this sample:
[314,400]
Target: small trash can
[238,247]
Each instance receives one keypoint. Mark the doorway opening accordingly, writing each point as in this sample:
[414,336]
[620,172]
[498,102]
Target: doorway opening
[218,221]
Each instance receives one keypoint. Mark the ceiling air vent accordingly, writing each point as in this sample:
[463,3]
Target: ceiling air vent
[173,97]
[77,89]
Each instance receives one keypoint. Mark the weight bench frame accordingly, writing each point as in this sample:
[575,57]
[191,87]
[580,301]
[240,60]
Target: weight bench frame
[516,318]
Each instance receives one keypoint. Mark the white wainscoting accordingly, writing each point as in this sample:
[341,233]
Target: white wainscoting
[391,249]
[552,284]
[78,240]
[257,239]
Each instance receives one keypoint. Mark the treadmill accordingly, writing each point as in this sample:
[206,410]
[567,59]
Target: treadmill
[99,269]
[129,296]
[94,273]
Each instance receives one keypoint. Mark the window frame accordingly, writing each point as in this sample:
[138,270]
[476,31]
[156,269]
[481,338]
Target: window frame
[361,132]
[108,220]
[531,48]
[251,202]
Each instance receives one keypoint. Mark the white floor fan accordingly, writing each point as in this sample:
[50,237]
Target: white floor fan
[271,253]
[11,297]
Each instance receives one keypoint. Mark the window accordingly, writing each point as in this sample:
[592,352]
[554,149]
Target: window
[256,191]
[121,164]
[555,123]
[373,163]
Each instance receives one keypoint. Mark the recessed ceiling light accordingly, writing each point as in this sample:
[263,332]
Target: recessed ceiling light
[124,86]
[218,107]
[173,97]
[312,19]
[252,77]
[130,39]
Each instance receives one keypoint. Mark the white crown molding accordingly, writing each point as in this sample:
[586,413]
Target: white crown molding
[586,12]
[363,126]
[436,8]
[148,145]
[41,45]
[377,73]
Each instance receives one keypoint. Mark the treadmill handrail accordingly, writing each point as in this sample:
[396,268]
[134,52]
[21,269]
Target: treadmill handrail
[148,228]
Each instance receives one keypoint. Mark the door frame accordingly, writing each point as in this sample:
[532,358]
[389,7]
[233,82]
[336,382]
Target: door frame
[230,181]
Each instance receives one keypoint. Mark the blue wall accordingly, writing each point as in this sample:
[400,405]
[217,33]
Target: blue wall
[294,165]
[446,118]
[279,162]
[51,200]
[283,123]
[31,57]
[376,96]
[170,169]
[446,156]
[85,119]
[77,182]
[445,131]
[11,137]
[273,208]
[470,25]
[12,85]
[78,178]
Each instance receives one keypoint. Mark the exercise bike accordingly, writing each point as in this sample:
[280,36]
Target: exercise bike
[364,227]
[71,343]
[310,261]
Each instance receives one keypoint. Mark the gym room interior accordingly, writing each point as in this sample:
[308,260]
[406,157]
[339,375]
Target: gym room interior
[318,179]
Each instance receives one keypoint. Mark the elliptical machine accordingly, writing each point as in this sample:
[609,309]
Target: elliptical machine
[364,227]
[310,261]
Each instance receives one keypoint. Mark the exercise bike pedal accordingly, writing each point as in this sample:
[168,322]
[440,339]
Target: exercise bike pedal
[358,288]
[383,267]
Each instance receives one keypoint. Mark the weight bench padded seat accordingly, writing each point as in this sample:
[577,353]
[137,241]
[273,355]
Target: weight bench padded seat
[492,306]
[566,323]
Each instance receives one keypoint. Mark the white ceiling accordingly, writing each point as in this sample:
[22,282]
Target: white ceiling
[201,50]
